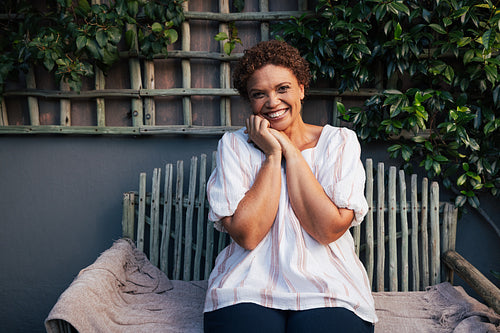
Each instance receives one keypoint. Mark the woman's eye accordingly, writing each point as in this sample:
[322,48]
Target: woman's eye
[257,95]
[283,89]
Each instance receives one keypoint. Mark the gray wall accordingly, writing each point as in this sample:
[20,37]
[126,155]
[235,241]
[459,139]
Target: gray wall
[60,204]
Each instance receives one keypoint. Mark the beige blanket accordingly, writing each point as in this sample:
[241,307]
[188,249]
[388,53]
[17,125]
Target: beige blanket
[123,292]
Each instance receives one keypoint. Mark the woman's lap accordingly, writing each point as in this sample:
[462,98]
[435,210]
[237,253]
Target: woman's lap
[248,318]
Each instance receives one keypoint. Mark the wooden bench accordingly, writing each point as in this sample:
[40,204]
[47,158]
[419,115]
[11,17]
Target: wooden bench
[169,224]
[400,242]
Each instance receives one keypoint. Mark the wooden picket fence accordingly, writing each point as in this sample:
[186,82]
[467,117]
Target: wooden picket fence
[172,227]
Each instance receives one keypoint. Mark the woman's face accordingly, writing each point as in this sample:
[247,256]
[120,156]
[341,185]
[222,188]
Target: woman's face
[276,95]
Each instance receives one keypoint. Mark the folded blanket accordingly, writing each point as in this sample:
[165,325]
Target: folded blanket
[123,292]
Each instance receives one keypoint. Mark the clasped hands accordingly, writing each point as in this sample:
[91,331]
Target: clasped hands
[269,140]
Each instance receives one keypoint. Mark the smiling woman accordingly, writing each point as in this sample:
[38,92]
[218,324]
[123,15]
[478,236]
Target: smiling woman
[286,192]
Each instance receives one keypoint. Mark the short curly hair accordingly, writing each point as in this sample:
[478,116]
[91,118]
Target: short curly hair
[273,52]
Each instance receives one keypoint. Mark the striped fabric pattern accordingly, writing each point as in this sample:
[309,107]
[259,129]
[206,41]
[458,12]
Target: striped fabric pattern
[289,269]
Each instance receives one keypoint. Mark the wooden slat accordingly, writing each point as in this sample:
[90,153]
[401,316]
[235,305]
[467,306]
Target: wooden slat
[425,238]
[210,232]
[4,120]
[335,111]
[34,111]
[128,217]
[65,106]
[188,224]
[135,79]
[178,220]
[403,211]
[141,220]
[264,26]
[415,259]
[245,16]
[137,93]
[100,84]
[149,102]
[154,238]
[186,68]
[167,217]
[369,250]
[435,239]
[225,70]
[302,4]
[380,227]
[393,251]
[200,224]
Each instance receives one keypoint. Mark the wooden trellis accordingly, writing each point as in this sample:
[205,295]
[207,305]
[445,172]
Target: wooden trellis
[142,91]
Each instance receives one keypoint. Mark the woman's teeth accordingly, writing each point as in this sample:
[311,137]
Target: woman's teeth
[276,114]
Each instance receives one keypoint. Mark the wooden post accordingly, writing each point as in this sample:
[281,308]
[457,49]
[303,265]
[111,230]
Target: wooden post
[425,237]
[264,26]
[188,225]
[404,231]
[393,251]
[65,106]
[100,83]
[141,220]
[435,239]
[186,68]
[380,227]
[4,121]
[415,261]
[369,254]
[149,102]
[32,101]
[135,79]
[225,71]
[167,217]
[200,222]
[154,228]
[179,198]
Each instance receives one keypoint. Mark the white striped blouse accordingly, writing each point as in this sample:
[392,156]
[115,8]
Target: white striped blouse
[289,269]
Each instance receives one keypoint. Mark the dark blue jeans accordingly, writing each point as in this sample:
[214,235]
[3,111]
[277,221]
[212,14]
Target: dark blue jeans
[252,318]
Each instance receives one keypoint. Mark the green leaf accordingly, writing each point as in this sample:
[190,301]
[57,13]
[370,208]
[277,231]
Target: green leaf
[461,180]
[221,36]
[130,37]
[84,5]
[81,41]
[157,27]
[437,28]
[172,35]
[101,37]
[397,32]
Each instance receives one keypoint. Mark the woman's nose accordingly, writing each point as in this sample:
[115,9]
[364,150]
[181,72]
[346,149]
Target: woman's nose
[272,100]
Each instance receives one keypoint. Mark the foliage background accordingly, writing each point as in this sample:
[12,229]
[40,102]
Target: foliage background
[439,64]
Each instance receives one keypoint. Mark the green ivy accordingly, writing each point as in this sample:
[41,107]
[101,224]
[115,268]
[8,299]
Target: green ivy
[441,62]
[69,38]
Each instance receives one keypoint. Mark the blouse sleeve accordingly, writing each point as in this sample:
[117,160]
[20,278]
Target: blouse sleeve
[344,175]
[231,178]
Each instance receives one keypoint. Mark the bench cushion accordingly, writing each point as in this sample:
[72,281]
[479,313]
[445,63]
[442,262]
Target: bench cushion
[123,292]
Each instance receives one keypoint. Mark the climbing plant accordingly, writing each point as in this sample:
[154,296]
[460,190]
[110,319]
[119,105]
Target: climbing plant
[70,37]
[439,62]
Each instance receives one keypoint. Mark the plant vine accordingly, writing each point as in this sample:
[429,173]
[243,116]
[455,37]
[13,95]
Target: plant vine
[440,62]
[70,38]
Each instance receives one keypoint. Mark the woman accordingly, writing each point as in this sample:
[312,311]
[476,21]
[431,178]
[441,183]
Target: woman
[287,193]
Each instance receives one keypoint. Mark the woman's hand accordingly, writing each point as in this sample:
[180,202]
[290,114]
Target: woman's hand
[259,133]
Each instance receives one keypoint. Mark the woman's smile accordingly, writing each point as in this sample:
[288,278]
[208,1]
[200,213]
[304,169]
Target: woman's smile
[276,95]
